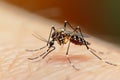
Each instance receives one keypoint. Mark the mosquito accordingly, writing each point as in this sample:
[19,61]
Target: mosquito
[63,36]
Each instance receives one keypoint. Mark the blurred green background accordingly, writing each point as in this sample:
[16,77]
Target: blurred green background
[99,17]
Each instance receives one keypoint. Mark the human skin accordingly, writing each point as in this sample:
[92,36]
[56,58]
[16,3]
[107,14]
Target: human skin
[16,29]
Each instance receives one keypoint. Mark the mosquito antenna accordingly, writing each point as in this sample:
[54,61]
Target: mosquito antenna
[39,37]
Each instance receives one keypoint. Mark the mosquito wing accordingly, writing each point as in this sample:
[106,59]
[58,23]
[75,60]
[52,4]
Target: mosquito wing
[84,35]
[78,34]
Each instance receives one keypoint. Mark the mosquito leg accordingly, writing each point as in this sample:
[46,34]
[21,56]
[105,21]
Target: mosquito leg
[65,23]
[69,58]
[35,49]
[33,58]
[53,28]
[93,51]
[45,53]
[100,52]
[37,56]
[78,28]
[49,51]
[101,58]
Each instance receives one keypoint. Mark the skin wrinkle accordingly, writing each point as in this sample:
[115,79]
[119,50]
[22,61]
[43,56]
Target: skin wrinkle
[18,67]
[56,73]
[13,62]
[29,71]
